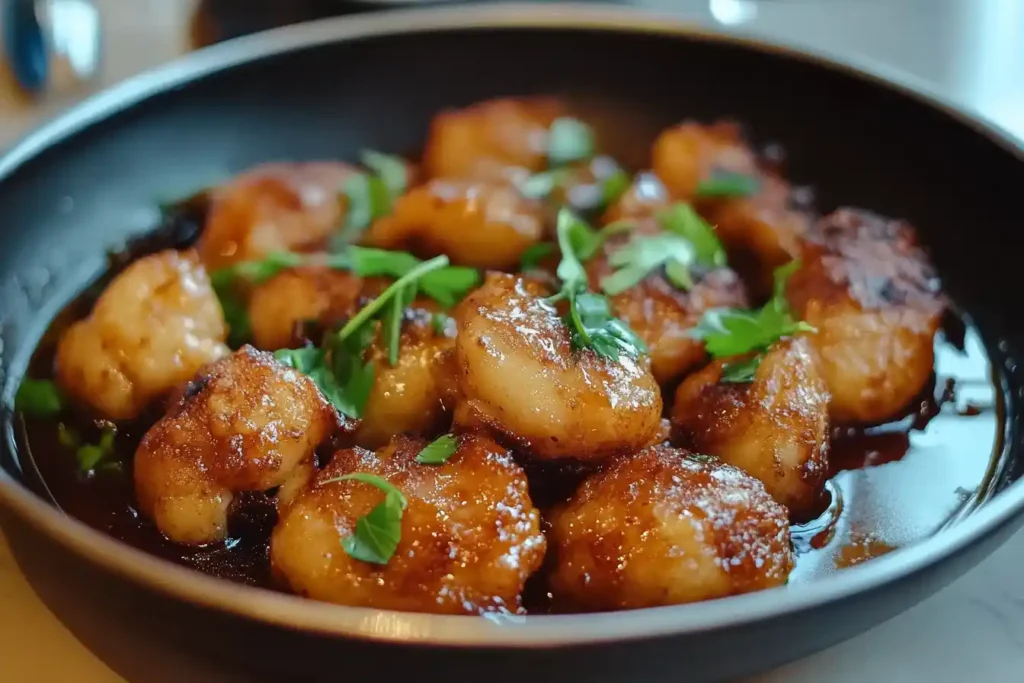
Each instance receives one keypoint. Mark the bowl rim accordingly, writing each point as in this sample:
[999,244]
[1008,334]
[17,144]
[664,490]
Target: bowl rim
[537,631]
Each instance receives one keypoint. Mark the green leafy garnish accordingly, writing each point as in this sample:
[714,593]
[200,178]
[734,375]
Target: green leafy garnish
[439,450]
[613,187]
[379,531]
[731,332]
[540,185]
[226,284]
[446,285]
[644,255]
[439,323]
[589,319]
[91,455]
[682,220]
[67,437]
[535,254]
[569,140]
[725,184]
[741,371]
[392,170]
[39,398]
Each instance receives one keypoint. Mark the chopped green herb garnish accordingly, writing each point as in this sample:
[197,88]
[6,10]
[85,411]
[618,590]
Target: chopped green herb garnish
[446,285]
[682,220]
[725,184]
[39,398]
[614,186]
[645,254]
[392,170]
[439,450]
[378,532]
[439,322]
[589,319]
[226,282]
[91,455]
[731,332]
[368,199]
[741,371]
[569,140]
[540,185]
[392,318]
[535,254]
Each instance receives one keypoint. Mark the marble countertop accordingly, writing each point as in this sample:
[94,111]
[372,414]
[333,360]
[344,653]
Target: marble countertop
[971,50]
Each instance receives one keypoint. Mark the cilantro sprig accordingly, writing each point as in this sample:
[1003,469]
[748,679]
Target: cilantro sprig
[372,195]
[438,451]
[337,367]
[589,319]
[725,184]
[379,531]
[90,456]
[569,140]
[730,332]
[39,398]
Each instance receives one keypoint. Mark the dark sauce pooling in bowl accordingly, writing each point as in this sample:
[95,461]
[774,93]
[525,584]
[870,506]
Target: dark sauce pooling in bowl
[892,484]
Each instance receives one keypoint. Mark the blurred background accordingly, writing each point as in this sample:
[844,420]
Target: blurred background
[58,50]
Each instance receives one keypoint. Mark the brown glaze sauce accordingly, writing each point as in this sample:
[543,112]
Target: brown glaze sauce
[921,464]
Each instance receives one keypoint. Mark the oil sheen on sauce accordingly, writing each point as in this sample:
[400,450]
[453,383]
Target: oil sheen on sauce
[892,484]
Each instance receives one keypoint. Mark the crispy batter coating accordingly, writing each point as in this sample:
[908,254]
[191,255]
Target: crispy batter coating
[416,396]
[274,207]
[153,327]
[481,224]
[490,140]
[245,424]
[874,298]
[470,535]
[775,427]
[298,295]
[520,377]
[661,528]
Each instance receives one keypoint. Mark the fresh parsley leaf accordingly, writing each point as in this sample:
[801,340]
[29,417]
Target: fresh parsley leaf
[446,285]
[90,455]
[731,332]
[226,284]
[569,140]
[589,317]
[540,185]
[645,254]
[39,398]
[392,170]
[346,382]
[614,186]
[682,220]
[725,184]
[535,254]
[439,450]
[368,199]
[741,371]
[378,532]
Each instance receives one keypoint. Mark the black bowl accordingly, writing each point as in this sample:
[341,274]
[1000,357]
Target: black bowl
[326,89]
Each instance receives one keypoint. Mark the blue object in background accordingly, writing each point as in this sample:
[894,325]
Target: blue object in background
[24,44]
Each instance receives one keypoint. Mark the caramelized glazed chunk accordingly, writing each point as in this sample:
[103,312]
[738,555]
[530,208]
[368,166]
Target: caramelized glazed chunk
[664,315]
[874,298]
[274,207]
[774,428]
[153,327]
[687,154]
[644,197]
[298,295]
[519,376]
[490,140]
[482,224]
[762,231]
[470,535]
[414,396]
[246,423]
[663,528]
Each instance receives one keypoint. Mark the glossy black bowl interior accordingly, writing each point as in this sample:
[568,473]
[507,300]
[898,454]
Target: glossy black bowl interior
[855,140]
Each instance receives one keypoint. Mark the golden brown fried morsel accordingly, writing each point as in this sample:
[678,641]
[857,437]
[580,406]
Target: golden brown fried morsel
[492,140]
[246,423]
[298,295]
[662,527]
[760,232]
[775,427]
[664,315]
[874,298]
[520,377]
[687,154]
[153,327]
[415,396]
[274,207]
[643,199]
[486,225]
[470,535]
